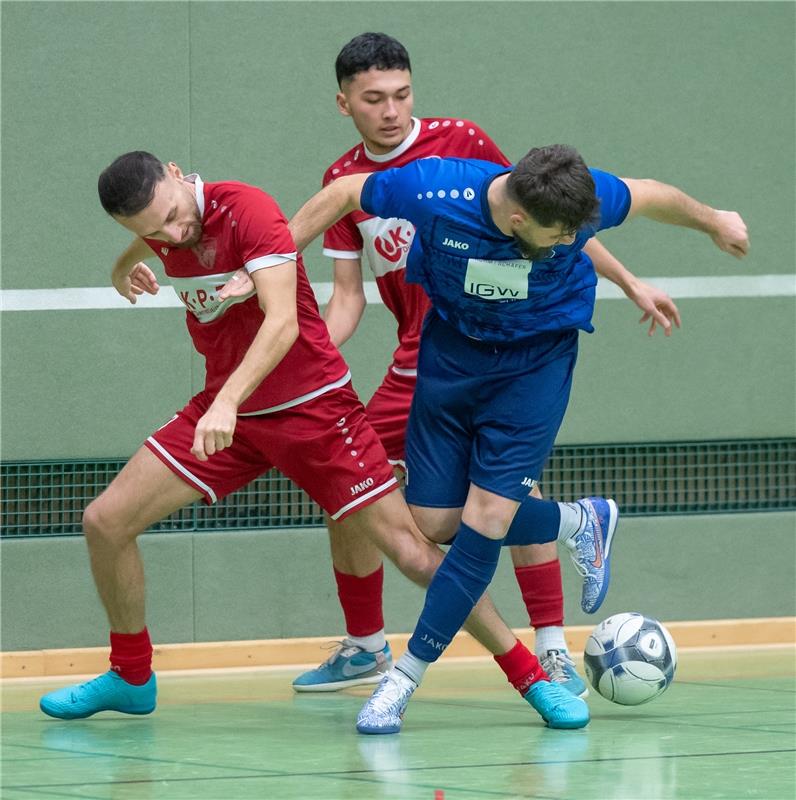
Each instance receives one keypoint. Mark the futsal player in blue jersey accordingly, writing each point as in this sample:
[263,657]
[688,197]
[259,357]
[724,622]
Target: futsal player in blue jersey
[499,252]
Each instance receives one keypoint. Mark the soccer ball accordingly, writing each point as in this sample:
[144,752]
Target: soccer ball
[630,659]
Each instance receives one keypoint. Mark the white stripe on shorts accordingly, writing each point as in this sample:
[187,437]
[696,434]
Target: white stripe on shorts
[184,470]
[363,497]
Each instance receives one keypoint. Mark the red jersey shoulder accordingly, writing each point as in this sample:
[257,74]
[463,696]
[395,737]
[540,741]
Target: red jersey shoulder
[236,195]
[351,161]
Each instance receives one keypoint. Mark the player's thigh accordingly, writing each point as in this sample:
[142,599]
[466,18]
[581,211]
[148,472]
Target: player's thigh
[329,449]
[438,444]
[144,492]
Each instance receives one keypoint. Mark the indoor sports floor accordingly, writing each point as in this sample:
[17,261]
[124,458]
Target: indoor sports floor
[725,729]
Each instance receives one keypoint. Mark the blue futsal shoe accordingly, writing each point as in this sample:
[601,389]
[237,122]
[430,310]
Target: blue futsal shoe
[556,706]
[349,665]
[384,712]
[108,692]
[591,550]
[561,669]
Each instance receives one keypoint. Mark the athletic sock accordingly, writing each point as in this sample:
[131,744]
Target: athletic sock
[131,656]
[370,644]
[412,666]
[550,637]
[522,667]
[457,586]
[541,589]
[536,522]
[360,599]
[573,520]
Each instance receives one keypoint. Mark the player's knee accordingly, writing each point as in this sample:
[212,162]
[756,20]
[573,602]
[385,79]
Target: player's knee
[100,527]
[419,562]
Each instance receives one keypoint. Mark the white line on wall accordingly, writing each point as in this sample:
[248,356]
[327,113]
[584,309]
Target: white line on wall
[102,297]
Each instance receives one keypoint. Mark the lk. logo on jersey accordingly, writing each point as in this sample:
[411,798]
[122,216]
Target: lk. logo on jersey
[393,244]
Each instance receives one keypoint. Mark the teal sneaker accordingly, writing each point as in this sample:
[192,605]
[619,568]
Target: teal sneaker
[556,706]
[108,692]
[349,665]
[561,669]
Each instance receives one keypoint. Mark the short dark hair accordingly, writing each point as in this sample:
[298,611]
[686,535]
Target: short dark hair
[127,186]
[554,185]
[369,50]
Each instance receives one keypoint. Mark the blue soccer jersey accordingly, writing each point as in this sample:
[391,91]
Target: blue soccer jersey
[476,276]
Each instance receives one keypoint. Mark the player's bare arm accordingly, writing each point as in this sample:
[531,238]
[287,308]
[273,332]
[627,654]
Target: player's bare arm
[658,307]
[664,203]
[321,211]
[347,303]
[130,276]
[276,291]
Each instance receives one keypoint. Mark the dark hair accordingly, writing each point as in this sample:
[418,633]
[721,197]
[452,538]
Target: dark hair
[554,185]
[127,186]
[369,50]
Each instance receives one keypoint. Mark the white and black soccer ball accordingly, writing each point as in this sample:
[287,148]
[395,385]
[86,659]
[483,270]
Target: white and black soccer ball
[630,659]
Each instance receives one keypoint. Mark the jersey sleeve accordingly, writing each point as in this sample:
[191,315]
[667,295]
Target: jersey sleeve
[262,236]
[400,192]
[343,239]
[614,198]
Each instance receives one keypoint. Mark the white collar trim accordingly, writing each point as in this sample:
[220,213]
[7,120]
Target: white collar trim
[401,149]
[199,187]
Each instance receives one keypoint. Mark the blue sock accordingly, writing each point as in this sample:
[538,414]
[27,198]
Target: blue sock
[536,522]
[460,581]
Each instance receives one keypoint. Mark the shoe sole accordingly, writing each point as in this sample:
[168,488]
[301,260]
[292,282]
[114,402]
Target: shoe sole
[336,686]
[569,725]
[55,715]
[378,731]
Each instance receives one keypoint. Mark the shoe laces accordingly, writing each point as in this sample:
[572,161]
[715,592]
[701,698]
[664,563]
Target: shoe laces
[342,648]
[389,694]
[555,664]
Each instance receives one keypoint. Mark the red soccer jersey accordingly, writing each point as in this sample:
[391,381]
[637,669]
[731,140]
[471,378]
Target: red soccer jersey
[242,226]
[386,241]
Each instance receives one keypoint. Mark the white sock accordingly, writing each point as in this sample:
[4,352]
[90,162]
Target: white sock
[551,637]
[573,520]
[371,643]
[412,666]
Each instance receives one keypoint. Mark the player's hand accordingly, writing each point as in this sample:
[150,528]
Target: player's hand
[730,234]
[658,307]
[215,429]
[238,285]
[138,280]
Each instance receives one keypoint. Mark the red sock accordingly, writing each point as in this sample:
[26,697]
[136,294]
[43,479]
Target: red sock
[541,589]
[361,602]
[131,656]
[522,667]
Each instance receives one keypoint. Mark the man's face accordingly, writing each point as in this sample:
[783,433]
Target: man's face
[172,216]
[380,103]
[534,240]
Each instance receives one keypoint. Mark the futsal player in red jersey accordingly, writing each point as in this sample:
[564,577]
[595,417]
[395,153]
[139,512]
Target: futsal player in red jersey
[374,77]
[277,393]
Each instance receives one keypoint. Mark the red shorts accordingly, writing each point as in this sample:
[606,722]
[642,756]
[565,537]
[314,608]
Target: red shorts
[388,411]
[325,445]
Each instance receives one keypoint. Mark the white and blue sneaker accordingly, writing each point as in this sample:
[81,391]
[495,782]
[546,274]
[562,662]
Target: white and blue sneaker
[349,665]
[561,669]
[384,712]
[591,550]
[108,692]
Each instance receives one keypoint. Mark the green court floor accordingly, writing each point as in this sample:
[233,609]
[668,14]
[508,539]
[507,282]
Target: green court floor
[725,729]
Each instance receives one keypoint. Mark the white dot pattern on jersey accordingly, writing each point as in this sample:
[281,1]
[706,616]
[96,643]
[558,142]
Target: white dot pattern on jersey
[446,123]
[441,194]
[454,193]
[459,123]
[429,195]
[433,125]
[471,131]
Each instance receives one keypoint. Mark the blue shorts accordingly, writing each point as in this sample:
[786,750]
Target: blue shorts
[484,413]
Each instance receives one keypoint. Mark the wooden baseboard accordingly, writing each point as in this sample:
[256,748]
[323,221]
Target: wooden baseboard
[284,652]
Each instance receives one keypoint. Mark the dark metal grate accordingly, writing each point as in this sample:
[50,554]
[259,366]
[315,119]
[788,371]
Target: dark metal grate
[47,498]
